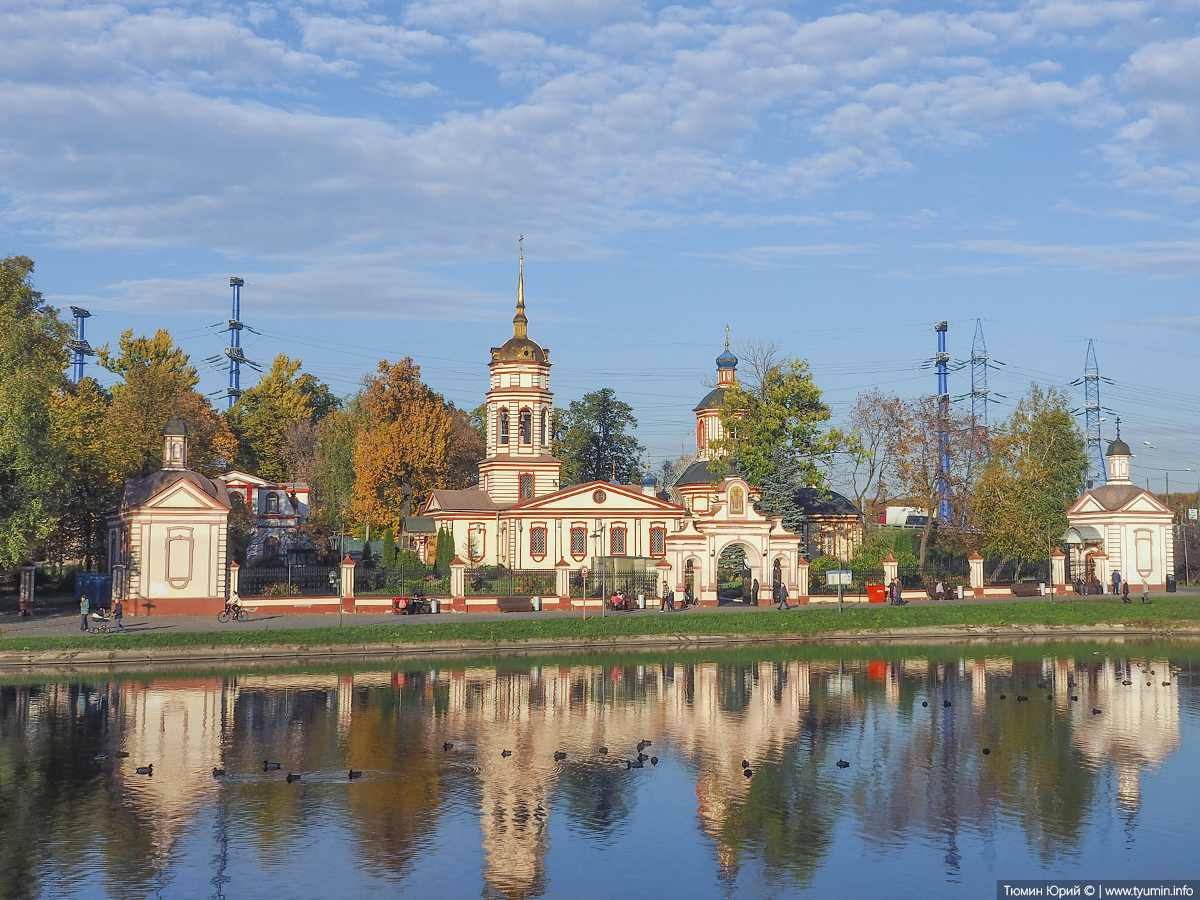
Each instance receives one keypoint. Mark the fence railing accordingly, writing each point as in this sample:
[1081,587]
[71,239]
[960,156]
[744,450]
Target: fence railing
[404,582]
[511,583]
[632,583]
[288,581]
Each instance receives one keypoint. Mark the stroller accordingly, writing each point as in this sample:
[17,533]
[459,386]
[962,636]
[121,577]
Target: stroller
[99,621]
[619,602]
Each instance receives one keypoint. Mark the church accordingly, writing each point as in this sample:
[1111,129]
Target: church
[520,517]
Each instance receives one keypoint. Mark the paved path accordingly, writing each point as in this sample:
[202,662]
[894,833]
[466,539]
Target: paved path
[58,623]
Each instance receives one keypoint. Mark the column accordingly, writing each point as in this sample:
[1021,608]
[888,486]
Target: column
[562,584]
[347,592]
[234,579]
[891,569]
[664,577]
[976,563]
[1058,571]
[458,585]
[802,580]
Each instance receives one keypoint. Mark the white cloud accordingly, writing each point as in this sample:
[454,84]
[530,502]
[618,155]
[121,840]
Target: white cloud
[358,40]
[1165,258]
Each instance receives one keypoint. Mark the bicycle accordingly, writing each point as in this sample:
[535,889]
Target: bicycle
[232,610]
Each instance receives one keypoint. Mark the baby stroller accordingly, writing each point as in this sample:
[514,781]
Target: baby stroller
[99,621]
[619,602]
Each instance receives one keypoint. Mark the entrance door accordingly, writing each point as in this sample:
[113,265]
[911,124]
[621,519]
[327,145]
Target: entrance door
[733,576]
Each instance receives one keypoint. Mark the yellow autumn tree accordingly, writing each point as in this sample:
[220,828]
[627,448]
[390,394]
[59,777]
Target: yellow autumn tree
[410,436]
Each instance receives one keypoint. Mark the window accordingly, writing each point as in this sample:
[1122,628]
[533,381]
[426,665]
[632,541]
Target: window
[502,426]
[525,487]
[526,427]
[271,546]
[597,496]
[618,542]
[543,435]
[537,542]
[700,433]
[578,542]
[737,502]
[272,504]
[658,542]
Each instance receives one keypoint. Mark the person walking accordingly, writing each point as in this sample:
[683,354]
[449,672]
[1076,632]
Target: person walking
[754,593]
[1145,591]
[84,609]
[668,598]
[1125,593]
[1116,581]
[782,596]
[118,613]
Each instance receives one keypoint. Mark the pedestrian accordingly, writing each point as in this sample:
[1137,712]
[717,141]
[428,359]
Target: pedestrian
[668,596]
[118,612]
[754,592]
[1116,582]
[1145,591]
[1125,593]
[689,599]
[783,596]
[84,609]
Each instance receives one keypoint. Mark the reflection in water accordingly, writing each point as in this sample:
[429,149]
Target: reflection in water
[919,800]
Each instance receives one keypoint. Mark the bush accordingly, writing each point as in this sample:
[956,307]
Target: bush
[282,589]
[408,560]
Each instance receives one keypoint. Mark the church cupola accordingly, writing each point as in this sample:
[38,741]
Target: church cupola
[175,438]
[708,412]
[726,364]
[1118,460]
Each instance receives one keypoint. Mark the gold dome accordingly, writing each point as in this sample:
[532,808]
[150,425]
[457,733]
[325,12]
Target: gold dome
[519,348]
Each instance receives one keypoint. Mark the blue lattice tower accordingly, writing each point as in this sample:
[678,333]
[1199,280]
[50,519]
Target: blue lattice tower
[234,350]
[979,376]
[1097,470]
[943,400]
[79,347]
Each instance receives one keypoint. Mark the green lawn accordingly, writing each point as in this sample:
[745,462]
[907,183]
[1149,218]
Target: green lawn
[1165,612]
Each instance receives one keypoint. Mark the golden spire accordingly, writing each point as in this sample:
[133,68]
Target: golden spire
[520,321]
[726,337]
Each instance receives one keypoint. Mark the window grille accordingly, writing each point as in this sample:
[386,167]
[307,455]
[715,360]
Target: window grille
[525,487]
[658,542]
[618,542]
[526,427]
[502,426]
[537,542]
[578,541]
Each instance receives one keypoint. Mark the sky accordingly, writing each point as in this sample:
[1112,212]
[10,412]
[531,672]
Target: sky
[836,178]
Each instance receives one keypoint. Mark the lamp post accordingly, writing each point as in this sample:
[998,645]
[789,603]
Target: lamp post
[598,545]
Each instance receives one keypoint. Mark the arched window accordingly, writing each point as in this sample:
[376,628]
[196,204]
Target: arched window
[737,502]
[272,505]
[700,433]
[658,541]
[271,547]
[578,542]
[618,541]
[526,427]
[525,487]
[537,542]
[502,426]
[544,422]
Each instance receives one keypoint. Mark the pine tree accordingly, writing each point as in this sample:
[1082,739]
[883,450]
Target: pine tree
[445,551]
[387,555]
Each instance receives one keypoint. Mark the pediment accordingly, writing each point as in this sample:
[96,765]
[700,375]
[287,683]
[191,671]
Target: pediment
[1086,504]
[1145,503]
[182,495]
[583,499]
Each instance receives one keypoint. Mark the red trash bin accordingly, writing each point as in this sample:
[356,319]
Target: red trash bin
[876,593]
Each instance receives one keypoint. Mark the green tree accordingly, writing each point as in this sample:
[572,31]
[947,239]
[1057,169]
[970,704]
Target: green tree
[778,409]
[1036,469]
[387,553]
[591,440]
[33,354]
[264,414]
[445,552]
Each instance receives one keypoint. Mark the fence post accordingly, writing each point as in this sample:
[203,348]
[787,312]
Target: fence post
[347,592]
[235,581]
[802,585]
[562,583]
[458,585]
[663,578]
[891,569]
[25,604]
[1058,571]
[976,563]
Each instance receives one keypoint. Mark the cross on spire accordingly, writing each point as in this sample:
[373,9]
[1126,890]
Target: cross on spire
[520,320]
[726,337]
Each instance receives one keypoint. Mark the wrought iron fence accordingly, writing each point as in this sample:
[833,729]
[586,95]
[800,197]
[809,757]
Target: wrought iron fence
[860,579]
[605,584]
[289,581]
[498,582]
[414,581]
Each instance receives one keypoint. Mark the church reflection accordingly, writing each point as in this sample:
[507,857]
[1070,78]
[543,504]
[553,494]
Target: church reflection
[430,742]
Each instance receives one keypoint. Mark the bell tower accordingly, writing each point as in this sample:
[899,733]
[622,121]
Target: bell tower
[708,414]
[1118,456]
[175,440]
[519,465]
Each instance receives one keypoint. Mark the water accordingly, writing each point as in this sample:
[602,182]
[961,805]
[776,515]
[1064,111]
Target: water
[921,811]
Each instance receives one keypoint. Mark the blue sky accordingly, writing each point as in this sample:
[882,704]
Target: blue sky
[837,178]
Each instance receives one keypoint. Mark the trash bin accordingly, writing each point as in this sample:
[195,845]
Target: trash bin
[960,592]
[537,604]
[641,601]
[1042,588]
[435,605]
[1172,585]
[876,593]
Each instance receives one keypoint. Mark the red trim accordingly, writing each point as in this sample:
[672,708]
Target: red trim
[577,527]
[545,542]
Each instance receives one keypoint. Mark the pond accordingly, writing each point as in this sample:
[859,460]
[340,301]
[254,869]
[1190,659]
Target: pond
[951,782]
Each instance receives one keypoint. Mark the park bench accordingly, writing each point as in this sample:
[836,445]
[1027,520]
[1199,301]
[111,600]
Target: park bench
[514,604]
[1026,589]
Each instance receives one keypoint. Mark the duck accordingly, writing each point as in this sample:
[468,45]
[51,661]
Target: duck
[654,760]
[1074,697]
[924,702]
[506,753]
[1004,696]
[1096,712]
[603,751]
[987,751]
[560,755]
[842,764]
[447,746]
[645,743]
[643,757]
[1127,683]
[946,704]
[292,777]
[634,764]
[745,763]
[354,773]
[121,754]
[218,773]
[1021,699]
[100,756]
[269,766]
[1166,684]
[641,746]
[748,773]
[146,770]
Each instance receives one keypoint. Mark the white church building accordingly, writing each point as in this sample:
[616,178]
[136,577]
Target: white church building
[519,516]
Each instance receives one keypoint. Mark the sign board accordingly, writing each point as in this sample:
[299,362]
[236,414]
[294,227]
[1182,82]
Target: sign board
[834,577]
[583,572]
[1193,514]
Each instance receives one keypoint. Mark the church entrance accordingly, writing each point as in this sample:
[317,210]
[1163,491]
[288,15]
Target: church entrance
[735,581]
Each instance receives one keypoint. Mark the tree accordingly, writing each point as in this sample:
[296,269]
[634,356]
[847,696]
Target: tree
[591,440]
[779,407]
[159,383]
[445,552]
[919,474]
[875,428]
[1037,468]
[264,414]
[33,355]
[387,553]
[409,437]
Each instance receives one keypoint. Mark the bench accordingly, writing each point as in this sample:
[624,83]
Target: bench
[514,604]
[1026,589]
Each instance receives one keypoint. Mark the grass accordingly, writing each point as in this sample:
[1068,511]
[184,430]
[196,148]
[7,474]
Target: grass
[1165,612]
